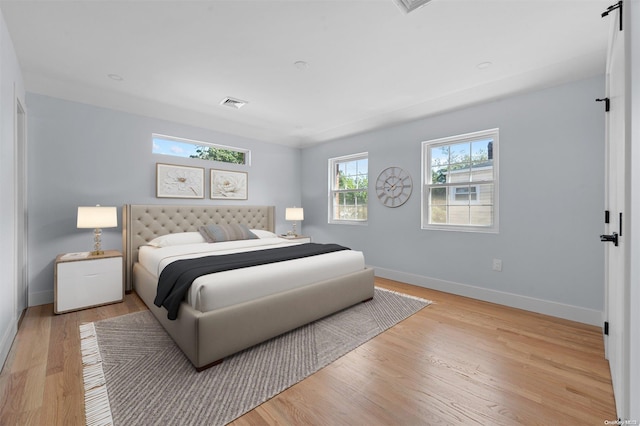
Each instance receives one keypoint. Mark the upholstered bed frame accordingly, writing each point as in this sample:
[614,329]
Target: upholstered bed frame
[206,338]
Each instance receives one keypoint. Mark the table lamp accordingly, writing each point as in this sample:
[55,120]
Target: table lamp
[97,217]
[294,214]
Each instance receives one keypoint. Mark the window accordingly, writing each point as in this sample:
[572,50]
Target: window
[464,194]
[460,182]
[348,186]
[179,147]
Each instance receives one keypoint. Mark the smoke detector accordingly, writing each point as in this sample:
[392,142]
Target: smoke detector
[410,5]
[233,103]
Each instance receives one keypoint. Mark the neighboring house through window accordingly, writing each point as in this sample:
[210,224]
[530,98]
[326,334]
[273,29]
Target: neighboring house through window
[348,186]
[460,182]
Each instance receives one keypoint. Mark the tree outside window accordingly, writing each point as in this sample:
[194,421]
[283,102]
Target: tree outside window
[187,148]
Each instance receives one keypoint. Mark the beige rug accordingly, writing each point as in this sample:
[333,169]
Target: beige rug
[135,375]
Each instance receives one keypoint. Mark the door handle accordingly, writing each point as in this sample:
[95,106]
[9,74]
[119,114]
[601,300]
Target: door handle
[613,238]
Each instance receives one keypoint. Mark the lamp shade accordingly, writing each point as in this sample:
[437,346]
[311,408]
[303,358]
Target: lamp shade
[97,217]
[294,213]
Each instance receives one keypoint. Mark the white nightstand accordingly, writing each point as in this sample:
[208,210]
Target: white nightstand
[86,281]
[298,238]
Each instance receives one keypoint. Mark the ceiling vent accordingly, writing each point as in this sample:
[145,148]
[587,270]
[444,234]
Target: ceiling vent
[410,5]
[233,103]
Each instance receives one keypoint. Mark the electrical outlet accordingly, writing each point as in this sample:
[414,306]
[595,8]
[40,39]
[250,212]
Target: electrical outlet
[497,265]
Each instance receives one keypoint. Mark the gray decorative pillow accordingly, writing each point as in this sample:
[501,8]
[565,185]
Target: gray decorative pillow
[231,232]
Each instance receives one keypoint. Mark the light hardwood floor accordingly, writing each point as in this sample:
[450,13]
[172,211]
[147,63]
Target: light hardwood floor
[458,361]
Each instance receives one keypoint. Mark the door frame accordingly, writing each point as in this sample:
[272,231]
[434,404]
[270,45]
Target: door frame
[632,44]
[20,208]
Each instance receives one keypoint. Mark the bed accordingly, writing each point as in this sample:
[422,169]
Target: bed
[208,330]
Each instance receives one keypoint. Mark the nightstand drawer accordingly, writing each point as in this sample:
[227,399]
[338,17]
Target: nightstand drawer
[85,283]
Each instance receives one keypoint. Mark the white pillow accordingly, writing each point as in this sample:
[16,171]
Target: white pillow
[261,233]
[177,239]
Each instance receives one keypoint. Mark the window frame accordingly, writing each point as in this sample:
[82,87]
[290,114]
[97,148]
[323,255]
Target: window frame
[427,184]
[333,162]
[246,152]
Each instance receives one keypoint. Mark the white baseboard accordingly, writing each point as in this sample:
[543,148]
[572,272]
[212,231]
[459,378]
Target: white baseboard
[546,307]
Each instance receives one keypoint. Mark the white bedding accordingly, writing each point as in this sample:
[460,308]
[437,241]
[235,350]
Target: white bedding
[228,288]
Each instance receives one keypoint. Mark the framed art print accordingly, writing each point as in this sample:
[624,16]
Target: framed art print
[174,181]
[228,185]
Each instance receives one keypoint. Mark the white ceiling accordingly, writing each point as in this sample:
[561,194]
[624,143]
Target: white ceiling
[369,65]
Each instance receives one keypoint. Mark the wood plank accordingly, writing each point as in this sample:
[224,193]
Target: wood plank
[459,361]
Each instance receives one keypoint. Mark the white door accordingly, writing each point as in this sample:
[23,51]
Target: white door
[615,255]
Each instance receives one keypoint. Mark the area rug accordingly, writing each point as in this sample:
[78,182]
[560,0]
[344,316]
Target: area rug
[134,374]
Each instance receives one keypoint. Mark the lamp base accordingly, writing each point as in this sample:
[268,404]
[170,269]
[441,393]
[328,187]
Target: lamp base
[97,246]
[293,232]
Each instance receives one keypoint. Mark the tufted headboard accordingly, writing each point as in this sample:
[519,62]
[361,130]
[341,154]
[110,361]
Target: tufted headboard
[143,222]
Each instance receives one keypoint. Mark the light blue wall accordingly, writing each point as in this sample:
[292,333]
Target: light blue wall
[85,155]
[11,91]
[551,200]
[551,192]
